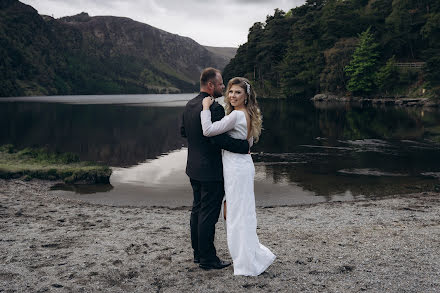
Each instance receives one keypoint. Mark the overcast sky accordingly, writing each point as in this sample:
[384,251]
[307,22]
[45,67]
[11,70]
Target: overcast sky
[213,23]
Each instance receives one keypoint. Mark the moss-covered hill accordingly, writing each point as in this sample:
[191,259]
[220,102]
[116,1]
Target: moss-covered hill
[40,55]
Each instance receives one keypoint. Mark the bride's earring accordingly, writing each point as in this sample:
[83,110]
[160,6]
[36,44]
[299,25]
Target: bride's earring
[245,101]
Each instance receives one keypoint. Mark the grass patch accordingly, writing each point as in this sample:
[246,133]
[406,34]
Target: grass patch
[40,163]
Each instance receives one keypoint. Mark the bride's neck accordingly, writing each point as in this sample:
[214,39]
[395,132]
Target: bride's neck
[240,108]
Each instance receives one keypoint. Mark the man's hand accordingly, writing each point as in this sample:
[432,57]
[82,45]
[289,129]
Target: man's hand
[207,102]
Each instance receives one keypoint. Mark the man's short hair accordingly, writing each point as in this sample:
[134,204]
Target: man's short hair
[208,74]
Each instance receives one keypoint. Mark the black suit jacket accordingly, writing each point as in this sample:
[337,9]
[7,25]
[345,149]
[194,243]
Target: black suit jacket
[204,161]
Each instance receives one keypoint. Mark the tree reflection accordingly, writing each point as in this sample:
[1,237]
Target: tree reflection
[114,134]
[314,146]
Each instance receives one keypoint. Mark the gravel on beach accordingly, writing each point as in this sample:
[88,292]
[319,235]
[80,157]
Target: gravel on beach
[51,244]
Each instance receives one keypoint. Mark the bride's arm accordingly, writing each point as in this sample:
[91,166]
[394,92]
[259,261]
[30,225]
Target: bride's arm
[224,141]
[218,127]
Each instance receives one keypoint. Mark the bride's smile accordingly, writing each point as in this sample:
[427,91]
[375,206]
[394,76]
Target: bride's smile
[236,96]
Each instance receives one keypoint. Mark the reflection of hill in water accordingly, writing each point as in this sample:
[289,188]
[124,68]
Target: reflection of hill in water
[288,124]
[361,167]
[358,185]
[113,134]
[125,135]
[305,154]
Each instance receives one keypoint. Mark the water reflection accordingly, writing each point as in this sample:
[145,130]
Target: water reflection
[307,153]
[118,135]
[83,188]
[165,171]
[163,182]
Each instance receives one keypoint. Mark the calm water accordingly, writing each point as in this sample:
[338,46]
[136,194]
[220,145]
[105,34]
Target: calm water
[307,153]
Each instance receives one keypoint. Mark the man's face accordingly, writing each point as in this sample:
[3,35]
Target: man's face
[219,87]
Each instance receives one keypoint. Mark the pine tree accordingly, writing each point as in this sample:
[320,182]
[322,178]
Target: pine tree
[431,32]
[387,77]
[362,68]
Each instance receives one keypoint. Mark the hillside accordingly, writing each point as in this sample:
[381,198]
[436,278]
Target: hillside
[80,54]
[352,47]
[227,52]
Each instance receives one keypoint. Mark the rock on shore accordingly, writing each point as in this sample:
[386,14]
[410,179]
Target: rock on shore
[396,101]
[50,244]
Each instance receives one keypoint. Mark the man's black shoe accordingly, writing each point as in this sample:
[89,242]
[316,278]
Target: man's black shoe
[196,259]
[215,265]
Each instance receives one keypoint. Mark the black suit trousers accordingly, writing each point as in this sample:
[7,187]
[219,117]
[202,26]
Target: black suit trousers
[208,196]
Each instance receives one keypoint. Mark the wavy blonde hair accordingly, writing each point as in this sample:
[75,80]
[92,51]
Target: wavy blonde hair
[252,105]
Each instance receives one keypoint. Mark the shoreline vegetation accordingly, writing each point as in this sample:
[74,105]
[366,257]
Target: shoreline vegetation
[402,101]
[40,163]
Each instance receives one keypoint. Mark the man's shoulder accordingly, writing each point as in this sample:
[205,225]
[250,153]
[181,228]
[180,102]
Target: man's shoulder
[195,101]
[199,96]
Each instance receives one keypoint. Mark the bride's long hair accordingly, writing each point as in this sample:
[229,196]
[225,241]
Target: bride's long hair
[251,105]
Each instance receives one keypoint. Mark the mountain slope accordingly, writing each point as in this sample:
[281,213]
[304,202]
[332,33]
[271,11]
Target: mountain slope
[80,54]
[223,54]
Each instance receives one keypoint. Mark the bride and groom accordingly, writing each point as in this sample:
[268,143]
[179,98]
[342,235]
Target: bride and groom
[218,165]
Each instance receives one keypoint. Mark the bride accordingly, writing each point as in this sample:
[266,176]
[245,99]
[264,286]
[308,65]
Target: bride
[243,121]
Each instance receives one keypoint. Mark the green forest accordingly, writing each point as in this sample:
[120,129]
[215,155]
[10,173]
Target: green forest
[373,48]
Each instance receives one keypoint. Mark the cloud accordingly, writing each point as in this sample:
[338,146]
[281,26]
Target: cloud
[213,23]
[252,1]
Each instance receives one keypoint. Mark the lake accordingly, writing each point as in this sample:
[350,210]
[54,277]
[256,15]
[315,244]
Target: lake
[307,153]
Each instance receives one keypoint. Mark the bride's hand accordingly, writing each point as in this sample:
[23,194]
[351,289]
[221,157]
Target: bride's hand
[207,102]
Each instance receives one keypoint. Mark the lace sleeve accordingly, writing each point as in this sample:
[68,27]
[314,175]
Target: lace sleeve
[218,127]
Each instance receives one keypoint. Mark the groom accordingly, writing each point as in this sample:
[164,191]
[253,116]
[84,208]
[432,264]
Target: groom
[205,170]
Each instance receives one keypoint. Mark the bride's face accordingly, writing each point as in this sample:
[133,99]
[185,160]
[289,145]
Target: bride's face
[236,96]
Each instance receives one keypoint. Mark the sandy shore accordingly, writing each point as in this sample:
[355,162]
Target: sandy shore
[50,244]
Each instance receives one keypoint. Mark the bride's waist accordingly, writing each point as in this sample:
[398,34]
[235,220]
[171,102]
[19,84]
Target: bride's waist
[227,154]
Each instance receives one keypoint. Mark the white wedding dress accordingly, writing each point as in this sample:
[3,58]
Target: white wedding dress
[250,258]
